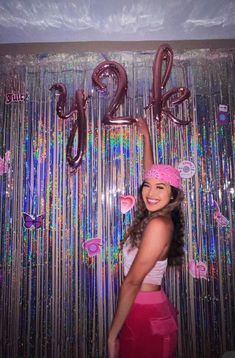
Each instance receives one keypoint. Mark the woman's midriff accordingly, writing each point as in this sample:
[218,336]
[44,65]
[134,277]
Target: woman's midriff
[148,287]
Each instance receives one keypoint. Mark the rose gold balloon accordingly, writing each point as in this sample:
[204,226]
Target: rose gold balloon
[80,126]
[164,54]
[160,100]
[60,87]
[178,94]
[113,68]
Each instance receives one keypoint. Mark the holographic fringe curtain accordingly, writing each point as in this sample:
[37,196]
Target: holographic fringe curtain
[55,300]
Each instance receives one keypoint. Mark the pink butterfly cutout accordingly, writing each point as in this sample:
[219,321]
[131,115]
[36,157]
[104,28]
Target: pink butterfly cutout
[220,219]
[4,163]
[198,269]
[127,203]
[93,246]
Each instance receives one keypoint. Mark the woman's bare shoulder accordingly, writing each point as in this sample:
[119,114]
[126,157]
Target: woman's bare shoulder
[161,222]
[157,236]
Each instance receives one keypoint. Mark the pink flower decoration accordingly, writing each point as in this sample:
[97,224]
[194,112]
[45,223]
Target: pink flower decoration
[4,163]
[8,156]
[220,219]
[93,246]
[198,269]
[127,203]
[2,166]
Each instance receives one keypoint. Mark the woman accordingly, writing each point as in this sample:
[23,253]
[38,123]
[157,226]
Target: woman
[145,325]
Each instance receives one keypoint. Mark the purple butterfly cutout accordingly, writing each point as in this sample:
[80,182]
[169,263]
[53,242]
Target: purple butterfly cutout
[30,220]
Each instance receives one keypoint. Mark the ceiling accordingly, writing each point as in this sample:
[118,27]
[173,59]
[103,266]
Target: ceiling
[33,21]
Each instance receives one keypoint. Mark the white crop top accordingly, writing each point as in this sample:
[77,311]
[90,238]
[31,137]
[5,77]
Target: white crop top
[154,276]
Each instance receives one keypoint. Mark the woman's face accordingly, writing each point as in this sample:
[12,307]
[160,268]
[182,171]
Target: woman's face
[156,194]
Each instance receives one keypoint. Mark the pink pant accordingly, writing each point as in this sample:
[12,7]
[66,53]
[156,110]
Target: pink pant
[150,330]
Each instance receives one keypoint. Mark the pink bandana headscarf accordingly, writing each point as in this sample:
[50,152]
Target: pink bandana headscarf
[166,173]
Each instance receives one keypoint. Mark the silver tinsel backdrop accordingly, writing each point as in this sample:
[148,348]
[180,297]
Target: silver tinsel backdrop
[55,299]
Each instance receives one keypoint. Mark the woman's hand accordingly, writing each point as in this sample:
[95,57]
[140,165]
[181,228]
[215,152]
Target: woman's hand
[113,348]
[142,126]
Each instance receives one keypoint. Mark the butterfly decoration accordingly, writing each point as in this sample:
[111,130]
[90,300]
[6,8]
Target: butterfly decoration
[220,219]
[127,203]
[4,163]
[93,246]
[31,221]
[198,269]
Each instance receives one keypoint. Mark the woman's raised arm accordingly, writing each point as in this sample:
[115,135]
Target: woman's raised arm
[148,152]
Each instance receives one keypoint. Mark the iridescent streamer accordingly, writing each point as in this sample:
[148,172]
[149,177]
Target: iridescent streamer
[54,299]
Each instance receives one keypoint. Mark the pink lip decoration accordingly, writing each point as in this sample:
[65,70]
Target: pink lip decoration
[127,203]
[93,246]
[198,269]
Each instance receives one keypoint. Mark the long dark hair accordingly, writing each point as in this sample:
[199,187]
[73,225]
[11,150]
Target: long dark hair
[142,217]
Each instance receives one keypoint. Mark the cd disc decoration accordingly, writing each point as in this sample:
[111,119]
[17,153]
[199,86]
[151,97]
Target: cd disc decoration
[187,169]
[61,229]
